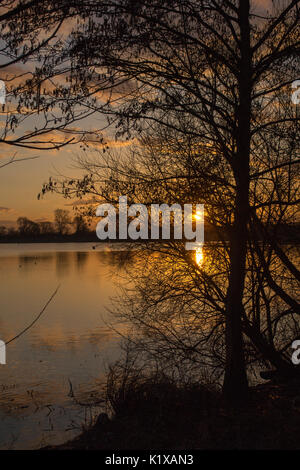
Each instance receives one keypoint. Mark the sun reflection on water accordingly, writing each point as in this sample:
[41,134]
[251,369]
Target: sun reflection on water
[199,255]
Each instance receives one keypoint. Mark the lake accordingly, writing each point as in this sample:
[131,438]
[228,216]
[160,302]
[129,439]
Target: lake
[58,365]
[51,385]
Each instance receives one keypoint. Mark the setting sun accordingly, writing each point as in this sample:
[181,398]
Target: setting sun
[198,216]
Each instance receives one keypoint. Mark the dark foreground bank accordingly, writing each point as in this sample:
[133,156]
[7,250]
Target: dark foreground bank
[162,416]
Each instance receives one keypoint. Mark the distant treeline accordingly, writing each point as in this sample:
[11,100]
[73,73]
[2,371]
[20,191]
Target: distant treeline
[64,228]
[76,229]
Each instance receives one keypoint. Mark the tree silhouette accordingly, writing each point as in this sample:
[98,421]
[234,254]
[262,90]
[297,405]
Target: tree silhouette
[27,227]
[79,224]
[62,221]
[215,72]
[33,117]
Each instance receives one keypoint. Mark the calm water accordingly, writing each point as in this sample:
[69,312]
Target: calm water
[61,360]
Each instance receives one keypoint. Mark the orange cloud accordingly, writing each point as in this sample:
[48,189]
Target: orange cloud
[83,202]
[5,210]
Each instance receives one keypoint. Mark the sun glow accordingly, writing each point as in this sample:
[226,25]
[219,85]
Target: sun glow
[198,216]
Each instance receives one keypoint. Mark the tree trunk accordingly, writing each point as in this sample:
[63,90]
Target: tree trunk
[235,385]
[235,381]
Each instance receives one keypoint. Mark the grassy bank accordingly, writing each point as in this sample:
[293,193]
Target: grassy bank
[165,416]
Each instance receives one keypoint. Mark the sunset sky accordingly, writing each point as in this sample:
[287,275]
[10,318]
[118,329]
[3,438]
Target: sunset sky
[21,182]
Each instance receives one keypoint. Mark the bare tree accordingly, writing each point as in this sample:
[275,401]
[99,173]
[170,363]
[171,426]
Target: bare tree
[46,227]
[27,227]
[62,221]
[79,224]
[33,116]
[212,71]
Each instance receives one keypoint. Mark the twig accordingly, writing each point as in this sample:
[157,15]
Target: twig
[36,319]
[13,160]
